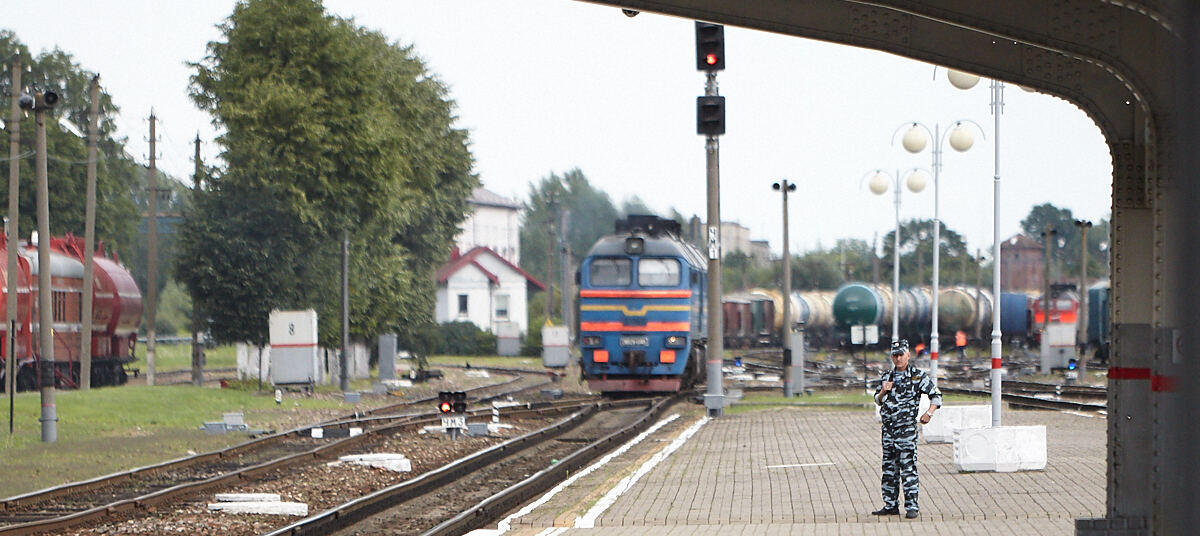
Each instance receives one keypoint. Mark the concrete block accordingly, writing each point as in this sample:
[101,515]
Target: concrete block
[272,508]
[397,384]
[477,428]
[351,398]
[384,460]
[477,373]
[247,497]
[214,428]
[1001,449]
[771,378]
[950,418]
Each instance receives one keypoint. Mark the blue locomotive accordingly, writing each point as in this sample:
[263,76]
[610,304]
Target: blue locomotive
[642,294]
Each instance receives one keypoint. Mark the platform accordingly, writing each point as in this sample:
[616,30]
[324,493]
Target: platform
[816,471]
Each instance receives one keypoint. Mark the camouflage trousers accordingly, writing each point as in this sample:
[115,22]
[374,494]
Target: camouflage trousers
[900,466]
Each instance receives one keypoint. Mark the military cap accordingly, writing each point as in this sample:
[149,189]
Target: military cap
[899,346]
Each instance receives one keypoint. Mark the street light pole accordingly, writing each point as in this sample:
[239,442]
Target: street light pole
[879,185]
[997,344]
[914,142]
[1083,225]
[784,186]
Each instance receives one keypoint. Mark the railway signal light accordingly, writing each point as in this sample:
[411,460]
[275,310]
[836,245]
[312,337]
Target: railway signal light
[710,116]
[1072,364]
[460,401]
[710,47]
[445,402]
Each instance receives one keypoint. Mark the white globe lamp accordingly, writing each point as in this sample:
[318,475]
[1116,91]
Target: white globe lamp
[962,80]
[878,184]
[961,139]
[914,140]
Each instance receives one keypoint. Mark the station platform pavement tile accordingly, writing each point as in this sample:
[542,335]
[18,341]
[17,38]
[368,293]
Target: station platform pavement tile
[816,472]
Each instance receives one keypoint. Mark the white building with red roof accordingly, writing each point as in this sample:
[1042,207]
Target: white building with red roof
[482,287]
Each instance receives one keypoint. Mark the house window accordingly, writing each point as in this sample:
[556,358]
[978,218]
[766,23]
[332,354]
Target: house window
[502,306]
[462,305]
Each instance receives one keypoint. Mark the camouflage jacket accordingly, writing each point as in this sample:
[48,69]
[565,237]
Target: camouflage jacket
[901,404]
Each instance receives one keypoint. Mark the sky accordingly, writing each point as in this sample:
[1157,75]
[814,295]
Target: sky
[545,86]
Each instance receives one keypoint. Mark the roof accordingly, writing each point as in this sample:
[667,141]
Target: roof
[470,259]
[485,197]
[1021,241]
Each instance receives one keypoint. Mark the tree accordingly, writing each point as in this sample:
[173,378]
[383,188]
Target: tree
[328,129]
[916,252]
[590,216]
[119,179]
[1065,253]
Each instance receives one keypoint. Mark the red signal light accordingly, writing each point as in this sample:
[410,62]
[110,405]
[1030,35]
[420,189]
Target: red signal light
[445,407]
[710,59]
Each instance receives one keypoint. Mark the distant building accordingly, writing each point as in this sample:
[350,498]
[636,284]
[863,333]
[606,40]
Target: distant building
[482,287]
[760,252]
[1021,264]
[494,223]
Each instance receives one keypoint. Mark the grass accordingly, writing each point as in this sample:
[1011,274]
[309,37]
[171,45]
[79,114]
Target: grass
[843,399]
[489,360]
[179,357]
[110,429]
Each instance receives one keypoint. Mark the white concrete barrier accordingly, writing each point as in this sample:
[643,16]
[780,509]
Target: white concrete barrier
[383,460]
[247,497]
[273,508]
[950,418]
[1002,449]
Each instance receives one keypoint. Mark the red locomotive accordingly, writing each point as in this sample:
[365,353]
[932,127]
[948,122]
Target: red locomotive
[116,314]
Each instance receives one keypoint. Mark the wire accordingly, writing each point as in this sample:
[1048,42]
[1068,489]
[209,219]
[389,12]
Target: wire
[25,154]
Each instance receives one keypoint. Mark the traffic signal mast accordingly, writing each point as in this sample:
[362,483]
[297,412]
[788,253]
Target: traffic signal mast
[710,122]
[452,406]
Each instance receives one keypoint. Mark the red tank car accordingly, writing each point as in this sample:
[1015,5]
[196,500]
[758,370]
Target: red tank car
[116,308]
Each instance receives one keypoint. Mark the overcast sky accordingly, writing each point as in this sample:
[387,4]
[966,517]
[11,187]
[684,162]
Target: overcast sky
[548,85]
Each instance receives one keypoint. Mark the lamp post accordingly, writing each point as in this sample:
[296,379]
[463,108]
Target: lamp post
[879,184]
[1083,225]
[914,141]
[784,187]
[967,81]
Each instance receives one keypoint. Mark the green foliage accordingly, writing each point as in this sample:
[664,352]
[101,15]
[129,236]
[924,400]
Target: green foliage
[118,179]
[916,253]
[1067,256]
[590,215]
[328,129]
[465,338]
[174,311]
[531,344]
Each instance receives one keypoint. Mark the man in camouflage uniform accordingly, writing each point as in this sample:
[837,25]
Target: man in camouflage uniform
[899,400]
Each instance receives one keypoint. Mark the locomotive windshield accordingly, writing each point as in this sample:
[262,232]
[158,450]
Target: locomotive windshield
[658,272]
[611,272]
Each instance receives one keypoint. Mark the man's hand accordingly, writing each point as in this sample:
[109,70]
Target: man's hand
[925,418]
[887,386]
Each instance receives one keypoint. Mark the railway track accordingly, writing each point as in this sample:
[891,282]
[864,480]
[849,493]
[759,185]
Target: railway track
[478,488]
[144,488]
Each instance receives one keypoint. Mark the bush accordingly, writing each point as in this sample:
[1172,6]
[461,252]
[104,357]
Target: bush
[531,343]
[465,338]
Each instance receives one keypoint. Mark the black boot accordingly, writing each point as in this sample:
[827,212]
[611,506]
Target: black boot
[911,514]
[885,511]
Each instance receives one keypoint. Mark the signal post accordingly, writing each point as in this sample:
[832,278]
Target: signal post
[710,122]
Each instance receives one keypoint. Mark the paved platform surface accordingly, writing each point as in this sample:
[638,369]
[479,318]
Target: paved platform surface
[816,472]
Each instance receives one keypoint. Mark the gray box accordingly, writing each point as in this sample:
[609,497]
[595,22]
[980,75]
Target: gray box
[294,353]
[508,339]
[351,398]
[387,356]
[556,351]
[477,429]
[214,428]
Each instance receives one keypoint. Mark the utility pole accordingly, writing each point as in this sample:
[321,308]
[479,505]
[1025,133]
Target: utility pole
[197,351]
[1048,237]
[152,261]
[875,260]
[14,170]
[345,366]
[784,187]
[552,205]
[979,290]
[89,238]
[564,271]
[43,102]
[1082,335]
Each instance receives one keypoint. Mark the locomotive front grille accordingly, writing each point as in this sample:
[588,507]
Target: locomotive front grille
[635,358]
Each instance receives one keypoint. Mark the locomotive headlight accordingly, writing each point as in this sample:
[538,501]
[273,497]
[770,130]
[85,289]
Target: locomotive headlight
[675,341]
[590,340]
[635,340]
[635,246]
